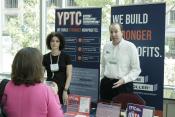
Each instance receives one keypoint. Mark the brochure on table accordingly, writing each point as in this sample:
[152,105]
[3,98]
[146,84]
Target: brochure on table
[78,106]
[108,110]
[136,110]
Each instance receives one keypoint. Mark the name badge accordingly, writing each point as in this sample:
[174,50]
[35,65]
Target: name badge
[54,67]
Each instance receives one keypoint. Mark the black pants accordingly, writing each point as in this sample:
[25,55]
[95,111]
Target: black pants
[60,94]
[107,92]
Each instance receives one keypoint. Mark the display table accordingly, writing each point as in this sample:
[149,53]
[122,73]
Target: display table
[93,112]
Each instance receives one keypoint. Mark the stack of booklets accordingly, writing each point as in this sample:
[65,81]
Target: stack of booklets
[108,110]
[78,106]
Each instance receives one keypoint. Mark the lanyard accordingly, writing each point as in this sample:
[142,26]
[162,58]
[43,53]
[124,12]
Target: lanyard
[51,58]
[51,63]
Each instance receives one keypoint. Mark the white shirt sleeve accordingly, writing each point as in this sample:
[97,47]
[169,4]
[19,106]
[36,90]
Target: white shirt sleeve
[135,66]
[102,64]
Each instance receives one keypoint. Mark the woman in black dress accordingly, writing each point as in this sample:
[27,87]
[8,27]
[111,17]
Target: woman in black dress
[58,65]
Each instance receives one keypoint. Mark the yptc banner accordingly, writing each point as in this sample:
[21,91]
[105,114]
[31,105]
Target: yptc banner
[82,30]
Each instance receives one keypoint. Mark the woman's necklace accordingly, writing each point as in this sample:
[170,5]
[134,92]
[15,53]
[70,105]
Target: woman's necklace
[55,53]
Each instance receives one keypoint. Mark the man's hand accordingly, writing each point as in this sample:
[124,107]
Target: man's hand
[118,83]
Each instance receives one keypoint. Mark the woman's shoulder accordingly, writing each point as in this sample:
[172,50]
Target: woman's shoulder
[46,55]
[46,58]
[65,55]
[42,85]
[41,88]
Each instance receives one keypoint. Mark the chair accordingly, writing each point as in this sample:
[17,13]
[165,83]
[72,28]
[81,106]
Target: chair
[126,98]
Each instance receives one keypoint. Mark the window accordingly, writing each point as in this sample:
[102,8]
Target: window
[19,28]
[10,17]
[170,47]
[169,68]
[71,3]
[172,17]
[11,3]
[55,3]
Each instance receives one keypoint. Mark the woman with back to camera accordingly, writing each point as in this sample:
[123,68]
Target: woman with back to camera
[58,65]
[25,95]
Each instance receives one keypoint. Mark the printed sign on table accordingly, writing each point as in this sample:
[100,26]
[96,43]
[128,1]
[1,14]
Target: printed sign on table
[78,105]
[108,110]
[135,110]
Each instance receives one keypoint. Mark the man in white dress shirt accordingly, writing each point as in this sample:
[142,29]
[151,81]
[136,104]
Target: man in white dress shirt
[120,65]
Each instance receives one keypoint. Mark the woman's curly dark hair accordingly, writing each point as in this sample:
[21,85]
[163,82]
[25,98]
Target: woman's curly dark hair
[59,36]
